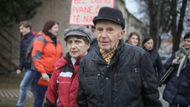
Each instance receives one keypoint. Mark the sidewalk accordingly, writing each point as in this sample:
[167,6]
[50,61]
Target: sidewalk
[12,93]
[9,86]
[161,89]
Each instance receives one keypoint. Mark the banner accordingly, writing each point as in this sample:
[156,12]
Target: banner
[83,11]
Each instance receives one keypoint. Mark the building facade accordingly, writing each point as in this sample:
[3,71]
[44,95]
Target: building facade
[58,10]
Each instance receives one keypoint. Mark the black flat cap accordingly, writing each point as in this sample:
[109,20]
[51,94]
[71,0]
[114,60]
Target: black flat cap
[110,14]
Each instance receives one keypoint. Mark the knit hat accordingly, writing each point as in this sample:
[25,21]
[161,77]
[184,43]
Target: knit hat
[110,14]
[78,31]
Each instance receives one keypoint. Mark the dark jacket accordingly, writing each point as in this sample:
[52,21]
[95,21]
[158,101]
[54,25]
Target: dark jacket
[126,82]
[177,90]
[25,42]
[156,61]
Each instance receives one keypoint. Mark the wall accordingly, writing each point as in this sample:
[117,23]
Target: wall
[58,10]
[132,23]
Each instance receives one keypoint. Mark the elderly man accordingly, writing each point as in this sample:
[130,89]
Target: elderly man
[115,74]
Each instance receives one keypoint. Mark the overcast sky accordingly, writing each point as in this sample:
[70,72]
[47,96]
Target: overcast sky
[132,7]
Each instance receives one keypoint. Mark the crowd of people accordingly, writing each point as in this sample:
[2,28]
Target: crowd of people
[100,69]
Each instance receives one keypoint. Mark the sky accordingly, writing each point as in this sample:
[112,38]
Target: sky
[131,6]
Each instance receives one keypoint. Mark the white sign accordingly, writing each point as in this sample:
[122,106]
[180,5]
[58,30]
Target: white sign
[83,11]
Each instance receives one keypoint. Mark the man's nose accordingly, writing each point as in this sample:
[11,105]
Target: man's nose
[104,33]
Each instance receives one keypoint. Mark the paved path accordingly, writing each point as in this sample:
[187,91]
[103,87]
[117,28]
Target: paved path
[161,89]
[12,93]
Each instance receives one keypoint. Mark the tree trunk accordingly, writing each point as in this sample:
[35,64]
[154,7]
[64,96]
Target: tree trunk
[153,30]
[180,23]
[177,30]
[173,24]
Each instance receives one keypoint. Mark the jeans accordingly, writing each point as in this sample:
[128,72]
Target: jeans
[39,91]
[24,85]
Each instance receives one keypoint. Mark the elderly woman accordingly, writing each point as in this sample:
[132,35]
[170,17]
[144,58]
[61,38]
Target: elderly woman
[63,84]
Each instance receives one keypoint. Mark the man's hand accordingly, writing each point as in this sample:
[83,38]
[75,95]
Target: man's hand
[18,71]
[45,76]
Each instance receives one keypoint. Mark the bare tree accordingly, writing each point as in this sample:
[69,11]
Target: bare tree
[153,10]
[177,25]
[187,17]
[165,16]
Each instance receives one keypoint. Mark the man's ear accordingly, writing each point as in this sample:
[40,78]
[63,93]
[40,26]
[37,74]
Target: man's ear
[94,34]
[122,33]
[28,29]
[88,46]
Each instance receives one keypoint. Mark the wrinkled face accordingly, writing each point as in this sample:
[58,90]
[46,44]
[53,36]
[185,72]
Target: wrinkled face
[133,40]
[149,44]
[108,35]
[186,43]
[24,30]
[54,29]
[77,47]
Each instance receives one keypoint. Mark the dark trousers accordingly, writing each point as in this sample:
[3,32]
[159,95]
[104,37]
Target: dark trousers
[177,105]
[39,91]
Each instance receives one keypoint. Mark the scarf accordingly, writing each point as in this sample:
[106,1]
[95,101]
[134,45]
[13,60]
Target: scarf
[53,37]
[107,56]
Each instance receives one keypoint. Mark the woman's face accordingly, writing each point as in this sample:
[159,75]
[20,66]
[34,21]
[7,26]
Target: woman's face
[77,47]
[186,43]
[54,29]
[134,40]
[149,44]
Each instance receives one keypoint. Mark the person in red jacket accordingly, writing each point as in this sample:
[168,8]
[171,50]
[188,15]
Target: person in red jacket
[47,49]
[63,84]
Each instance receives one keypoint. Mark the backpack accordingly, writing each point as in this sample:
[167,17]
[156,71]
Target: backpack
[30,47]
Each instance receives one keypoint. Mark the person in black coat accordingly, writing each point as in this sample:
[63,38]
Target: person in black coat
[177,90]
[147,45]
[114,73]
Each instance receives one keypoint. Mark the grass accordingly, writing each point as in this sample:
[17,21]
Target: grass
[12,103]
[9,81]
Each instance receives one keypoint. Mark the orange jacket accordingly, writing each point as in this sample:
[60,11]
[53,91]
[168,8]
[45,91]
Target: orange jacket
[45,53]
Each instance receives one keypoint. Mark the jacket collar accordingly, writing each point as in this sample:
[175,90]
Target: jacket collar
[98,58]
[60,63]
[28,35]
[64,61]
